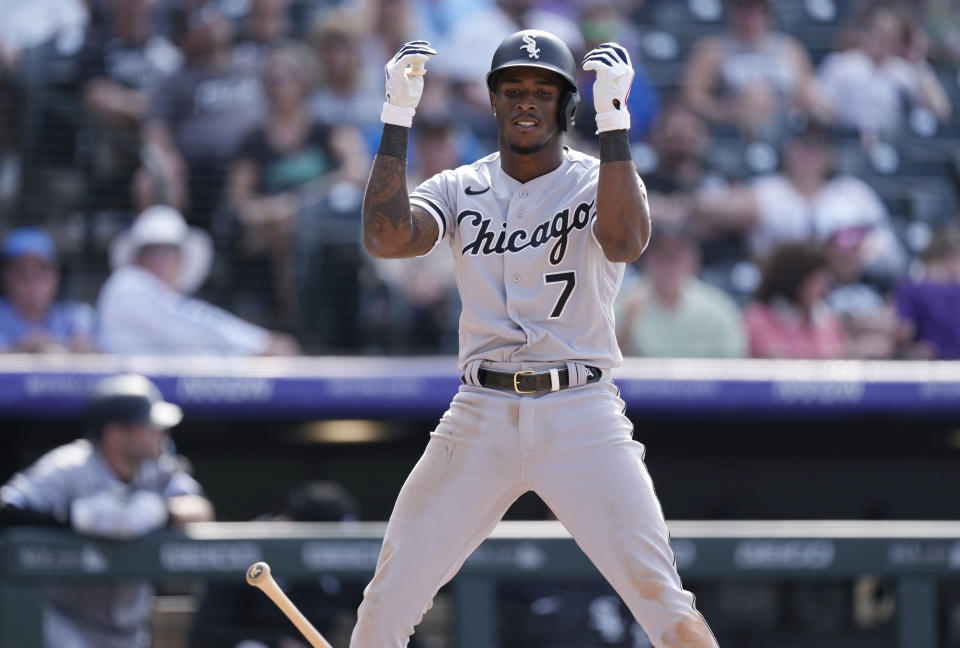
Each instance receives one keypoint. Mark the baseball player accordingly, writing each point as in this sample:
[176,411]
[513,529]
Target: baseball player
[540,235]
[116,483]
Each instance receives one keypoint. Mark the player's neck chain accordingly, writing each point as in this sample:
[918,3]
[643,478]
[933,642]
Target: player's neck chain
[488,242]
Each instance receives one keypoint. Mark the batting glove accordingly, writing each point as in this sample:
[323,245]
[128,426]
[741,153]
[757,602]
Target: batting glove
[405,82]
[611,62]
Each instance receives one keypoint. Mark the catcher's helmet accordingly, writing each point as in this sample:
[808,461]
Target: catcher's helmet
[535,48]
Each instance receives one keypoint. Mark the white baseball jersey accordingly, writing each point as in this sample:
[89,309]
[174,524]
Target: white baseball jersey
[535,281]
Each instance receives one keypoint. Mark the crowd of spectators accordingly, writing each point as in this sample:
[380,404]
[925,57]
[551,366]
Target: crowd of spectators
[801,159]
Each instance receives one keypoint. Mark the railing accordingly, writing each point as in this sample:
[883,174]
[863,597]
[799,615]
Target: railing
[397,387]
[915,554]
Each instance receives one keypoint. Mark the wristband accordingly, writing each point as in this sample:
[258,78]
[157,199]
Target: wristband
[393,142]
[615,146]
[398,115]
[611,120]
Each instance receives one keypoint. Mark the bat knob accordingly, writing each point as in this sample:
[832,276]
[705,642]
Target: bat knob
[256,571]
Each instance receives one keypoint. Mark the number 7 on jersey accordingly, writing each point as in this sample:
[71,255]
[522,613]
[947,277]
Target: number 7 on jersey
[570,281]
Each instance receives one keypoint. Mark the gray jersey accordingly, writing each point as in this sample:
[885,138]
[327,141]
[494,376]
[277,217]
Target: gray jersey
[534,281]
[109,615]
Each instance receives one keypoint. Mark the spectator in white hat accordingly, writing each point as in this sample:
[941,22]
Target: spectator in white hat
[145,305]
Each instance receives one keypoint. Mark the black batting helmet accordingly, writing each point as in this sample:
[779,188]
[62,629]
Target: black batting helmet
[536,48]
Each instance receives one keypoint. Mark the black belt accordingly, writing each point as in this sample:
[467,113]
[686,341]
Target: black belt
[529,381]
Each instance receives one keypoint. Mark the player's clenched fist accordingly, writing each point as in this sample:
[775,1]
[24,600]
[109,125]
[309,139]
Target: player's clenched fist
[611,62]
[405,82]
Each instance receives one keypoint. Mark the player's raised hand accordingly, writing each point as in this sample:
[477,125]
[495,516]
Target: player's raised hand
[404,74]
[615,73]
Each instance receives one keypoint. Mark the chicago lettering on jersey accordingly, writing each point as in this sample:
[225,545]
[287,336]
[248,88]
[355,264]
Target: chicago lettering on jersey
[559,227]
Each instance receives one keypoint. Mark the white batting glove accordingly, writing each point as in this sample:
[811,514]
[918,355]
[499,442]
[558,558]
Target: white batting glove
[405,82]
[611,62]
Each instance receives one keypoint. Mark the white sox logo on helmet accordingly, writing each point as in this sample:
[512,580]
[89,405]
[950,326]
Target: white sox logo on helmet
[530,46]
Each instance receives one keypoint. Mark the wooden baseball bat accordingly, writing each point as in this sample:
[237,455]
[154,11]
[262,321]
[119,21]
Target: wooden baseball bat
[259,576]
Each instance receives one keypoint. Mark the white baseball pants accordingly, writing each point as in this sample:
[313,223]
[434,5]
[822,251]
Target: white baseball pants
[574,449]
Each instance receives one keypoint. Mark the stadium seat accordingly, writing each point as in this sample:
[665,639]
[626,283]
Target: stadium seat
[666,76]
[851,158]
[737,158]
[679,14]
[932,199]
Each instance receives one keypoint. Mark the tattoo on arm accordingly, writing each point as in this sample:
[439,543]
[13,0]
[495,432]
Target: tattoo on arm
[390,228]
[385,202]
